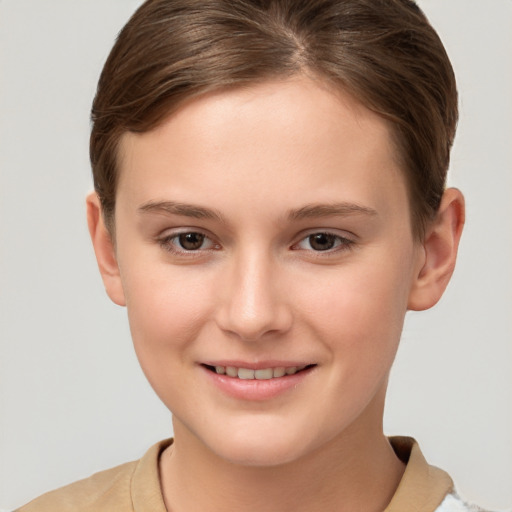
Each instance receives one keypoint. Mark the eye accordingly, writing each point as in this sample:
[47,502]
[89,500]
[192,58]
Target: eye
[323,242]
[189,241]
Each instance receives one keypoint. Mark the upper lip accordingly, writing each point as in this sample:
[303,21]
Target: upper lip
[260,365]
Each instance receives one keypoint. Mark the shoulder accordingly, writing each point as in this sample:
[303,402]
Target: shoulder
[453,503]
[131,486]
[107,490]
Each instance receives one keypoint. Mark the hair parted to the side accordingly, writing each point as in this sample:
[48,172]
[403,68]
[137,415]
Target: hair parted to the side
[383,52]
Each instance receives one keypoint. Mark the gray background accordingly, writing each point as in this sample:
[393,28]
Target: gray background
[72,398]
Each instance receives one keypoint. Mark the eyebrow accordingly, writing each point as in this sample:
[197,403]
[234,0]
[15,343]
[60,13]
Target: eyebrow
[327,210]
[176,208]
[306,212]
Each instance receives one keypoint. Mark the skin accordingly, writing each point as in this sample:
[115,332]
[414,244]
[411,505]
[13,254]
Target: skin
[253,166]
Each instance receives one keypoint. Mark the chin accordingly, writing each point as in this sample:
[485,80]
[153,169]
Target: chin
[263,452]
[259,445]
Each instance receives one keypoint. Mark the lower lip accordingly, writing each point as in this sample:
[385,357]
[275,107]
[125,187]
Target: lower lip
[254,389]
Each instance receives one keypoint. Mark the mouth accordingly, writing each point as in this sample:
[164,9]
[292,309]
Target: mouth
[278,372]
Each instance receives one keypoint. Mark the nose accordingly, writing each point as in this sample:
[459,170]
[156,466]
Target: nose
[254,302]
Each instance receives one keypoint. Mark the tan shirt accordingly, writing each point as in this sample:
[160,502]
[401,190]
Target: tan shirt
[135,486]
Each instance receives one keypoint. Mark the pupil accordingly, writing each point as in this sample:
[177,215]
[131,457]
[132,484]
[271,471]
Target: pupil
[322,241]
[191,241]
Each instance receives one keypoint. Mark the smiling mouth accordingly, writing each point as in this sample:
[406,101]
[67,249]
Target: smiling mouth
[261,374]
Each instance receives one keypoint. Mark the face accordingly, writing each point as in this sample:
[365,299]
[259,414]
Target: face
[266,258]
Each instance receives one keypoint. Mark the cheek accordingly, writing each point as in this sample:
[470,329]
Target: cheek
[360,308]
[167,308]
[166,314]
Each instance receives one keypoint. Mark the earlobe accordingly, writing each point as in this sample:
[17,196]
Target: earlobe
[439,252]
[104,250]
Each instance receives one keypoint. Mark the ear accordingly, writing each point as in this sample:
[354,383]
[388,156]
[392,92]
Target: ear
[105,250]
[439,252]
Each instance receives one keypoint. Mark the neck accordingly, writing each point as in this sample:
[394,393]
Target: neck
[357,470]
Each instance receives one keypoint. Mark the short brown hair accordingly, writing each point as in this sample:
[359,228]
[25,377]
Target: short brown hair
[383,52]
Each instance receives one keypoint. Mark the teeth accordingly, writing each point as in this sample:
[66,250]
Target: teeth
[280,372]
[246,374]
[266,374]
[263,374]
[231,371]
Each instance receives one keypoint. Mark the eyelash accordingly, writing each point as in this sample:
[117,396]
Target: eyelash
[342,243]
[169,243]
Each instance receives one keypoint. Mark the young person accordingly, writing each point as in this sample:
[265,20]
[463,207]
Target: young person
[269,202]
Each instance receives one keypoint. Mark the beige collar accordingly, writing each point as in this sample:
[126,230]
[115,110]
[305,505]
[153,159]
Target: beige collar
[423,487]
[145,485]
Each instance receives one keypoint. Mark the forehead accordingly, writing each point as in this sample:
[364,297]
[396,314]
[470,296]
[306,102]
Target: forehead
[298,135]
[302,98]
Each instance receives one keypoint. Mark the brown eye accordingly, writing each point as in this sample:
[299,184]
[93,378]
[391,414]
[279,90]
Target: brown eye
[322,241]
[191,241]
